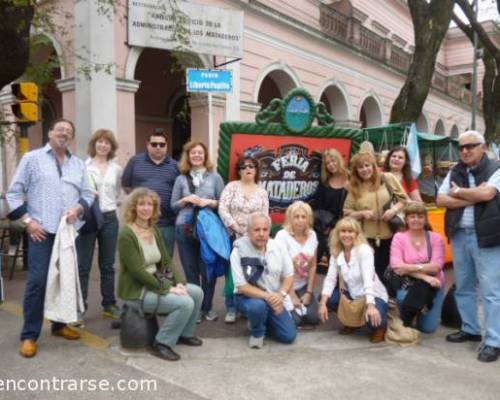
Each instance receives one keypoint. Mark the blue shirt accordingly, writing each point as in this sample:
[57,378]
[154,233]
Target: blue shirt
[49,189]
[141,171]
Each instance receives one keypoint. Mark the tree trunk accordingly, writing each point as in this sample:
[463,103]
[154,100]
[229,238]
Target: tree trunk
[430,23]
[15,38]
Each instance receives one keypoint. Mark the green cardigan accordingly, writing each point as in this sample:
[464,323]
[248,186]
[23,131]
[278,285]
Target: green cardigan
[133,275]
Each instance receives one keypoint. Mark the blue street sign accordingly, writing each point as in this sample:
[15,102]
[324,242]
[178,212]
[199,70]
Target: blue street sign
[209,80]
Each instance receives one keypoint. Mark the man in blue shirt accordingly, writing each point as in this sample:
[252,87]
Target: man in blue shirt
[49,184]
[470,192]
[156,171]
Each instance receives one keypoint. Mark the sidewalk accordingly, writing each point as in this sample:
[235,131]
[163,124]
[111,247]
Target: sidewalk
[320,365]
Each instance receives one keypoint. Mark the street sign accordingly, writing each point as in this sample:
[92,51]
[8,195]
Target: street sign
[209,80]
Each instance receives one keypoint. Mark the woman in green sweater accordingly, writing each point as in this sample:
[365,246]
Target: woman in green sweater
[149,280]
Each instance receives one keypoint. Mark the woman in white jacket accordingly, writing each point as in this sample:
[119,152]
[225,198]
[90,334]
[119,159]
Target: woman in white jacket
[352,261]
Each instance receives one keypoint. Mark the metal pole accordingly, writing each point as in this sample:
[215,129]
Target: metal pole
[474,74]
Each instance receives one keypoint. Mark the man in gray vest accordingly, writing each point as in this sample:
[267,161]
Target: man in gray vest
[470,192]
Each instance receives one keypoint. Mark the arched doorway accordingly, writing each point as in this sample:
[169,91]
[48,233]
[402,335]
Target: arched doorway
[439,129]
[371,113]
[161,102]
[422,124]
[276,84]
[336,103]
[454,131]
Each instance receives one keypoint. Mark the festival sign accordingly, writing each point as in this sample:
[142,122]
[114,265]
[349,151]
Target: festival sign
[289,152]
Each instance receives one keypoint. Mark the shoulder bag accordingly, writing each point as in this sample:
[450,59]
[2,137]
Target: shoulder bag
[351,312]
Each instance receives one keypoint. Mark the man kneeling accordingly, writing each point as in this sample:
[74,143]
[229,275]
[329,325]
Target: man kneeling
[263,276]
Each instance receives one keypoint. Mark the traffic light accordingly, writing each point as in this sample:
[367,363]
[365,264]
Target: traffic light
[26,108]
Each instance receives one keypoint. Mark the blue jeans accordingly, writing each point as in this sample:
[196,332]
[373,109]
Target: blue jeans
[430,321]
[34,294]
[381,305]
[106,237]
[473,265]
[182,313]
[263,320]
[168,234]
[194,267]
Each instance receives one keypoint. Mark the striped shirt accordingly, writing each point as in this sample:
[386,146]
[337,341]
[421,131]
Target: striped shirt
[49,189]
[467,220]
[141,171]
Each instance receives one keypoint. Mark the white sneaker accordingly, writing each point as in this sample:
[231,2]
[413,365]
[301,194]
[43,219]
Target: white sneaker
[230,317]
[210,316]
[256,342]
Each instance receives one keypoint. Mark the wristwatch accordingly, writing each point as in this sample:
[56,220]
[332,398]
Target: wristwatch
[283,293]
[420,267]
[26,221]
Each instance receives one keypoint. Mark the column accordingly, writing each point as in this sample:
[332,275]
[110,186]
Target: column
[125,132]
[95,92]
[207,113]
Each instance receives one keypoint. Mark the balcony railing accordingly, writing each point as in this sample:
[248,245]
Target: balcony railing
[350,31]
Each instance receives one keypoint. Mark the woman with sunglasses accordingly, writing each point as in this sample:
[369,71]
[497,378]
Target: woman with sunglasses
[238,200]
[197,186]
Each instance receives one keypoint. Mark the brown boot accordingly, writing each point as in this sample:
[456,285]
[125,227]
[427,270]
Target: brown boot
[28,348]
[378,335]
[67,333]
[347,330]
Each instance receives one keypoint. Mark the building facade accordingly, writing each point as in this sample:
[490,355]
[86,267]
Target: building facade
[352,55]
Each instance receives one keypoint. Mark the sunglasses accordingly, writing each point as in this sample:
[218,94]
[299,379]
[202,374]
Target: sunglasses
[245,166]
[157,144]
[468,146]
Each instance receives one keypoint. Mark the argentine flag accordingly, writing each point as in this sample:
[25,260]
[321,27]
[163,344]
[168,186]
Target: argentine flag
[414,152]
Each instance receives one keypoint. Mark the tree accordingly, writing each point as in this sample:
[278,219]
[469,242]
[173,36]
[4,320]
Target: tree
[16,17]
[491,61]
[430,23]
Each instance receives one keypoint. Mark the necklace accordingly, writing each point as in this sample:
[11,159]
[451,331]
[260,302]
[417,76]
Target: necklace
[141,226]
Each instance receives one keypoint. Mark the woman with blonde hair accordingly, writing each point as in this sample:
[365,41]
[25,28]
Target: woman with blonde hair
[352,262]
[197,186]
[370,202]
[329,198]
[104,175]
[299,239]
[150,282]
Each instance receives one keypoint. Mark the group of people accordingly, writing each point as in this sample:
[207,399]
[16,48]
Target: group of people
[377,243]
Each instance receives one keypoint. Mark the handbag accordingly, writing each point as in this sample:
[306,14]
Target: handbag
[396,223]
[190,228]
[394,282]
[351,312]
[136,329]
[253,268]
[94,219]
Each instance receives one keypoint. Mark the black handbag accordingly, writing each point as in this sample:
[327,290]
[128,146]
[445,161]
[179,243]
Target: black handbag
[136,329]
[450,316]
[94,220]
[396,223]
[253,268]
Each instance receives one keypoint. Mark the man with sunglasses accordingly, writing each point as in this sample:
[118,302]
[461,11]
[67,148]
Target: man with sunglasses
[155,170]
[470,192]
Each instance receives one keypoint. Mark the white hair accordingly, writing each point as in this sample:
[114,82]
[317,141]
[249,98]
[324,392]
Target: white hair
[477,135]
[256,215]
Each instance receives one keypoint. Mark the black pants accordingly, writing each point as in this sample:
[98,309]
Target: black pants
[382,256]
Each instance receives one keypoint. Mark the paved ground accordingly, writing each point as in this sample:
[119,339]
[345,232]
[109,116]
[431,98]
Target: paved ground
[320,365]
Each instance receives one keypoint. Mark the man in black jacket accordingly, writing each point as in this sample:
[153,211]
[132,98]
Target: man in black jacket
[470,192]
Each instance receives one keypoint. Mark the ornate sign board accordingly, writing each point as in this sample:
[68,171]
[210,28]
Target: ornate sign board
[208,30]
[289,152]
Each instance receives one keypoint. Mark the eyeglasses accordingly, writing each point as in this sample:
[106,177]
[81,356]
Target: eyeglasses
[158,144]
[468,146]
[245,166]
